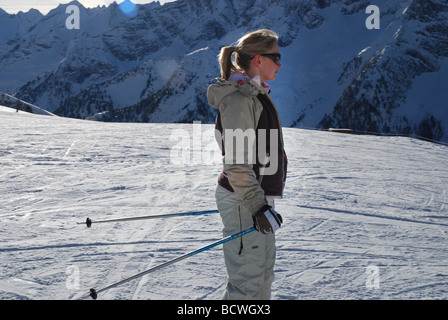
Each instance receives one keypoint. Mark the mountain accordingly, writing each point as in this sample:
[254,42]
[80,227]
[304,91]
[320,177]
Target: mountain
[156,65]
[401,86]
[8,101]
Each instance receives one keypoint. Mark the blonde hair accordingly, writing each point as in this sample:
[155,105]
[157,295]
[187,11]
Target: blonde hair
[247,47]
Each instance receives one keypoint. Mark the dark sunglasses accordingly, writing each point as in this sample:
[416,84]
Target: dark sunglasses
[273,56]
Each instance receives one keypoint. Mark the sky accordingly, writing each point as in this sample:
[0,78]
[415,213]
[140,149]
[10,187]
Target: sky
[44,6]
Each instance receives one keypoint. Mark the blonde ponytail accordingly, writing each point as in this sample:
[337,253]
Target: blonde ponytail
[225,61]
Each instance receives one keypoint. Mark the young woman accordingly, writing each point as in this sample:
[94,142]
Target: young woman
[254,173]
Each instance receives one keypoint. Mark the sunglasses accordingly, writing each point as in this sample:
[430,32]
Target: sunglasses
[273,56]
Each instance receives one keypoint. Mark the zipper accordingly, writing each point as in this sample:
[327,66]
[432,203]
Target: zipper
[241,229]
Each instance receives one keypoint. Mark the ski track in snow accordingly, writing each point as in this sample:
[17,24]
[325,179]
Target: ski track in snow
[351,202]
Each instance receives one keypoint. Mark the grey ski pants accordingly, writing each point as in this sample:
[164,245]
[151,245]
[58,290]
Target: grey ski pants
[249,259]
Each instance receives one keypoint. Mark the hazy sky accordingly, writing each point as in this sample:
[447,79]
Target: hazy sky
[44,6]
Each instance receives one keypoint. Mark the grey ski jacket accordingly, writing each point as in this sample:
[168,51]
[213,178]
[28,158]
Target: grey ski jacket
[256,168]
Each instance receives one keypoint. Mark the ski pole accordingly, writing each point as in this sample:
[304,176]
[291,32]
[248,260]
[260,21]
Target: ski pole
[94,293]
[169,215]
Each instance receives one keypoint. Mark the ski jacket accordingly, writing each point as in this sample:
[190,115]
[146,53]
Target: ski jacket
[245,107]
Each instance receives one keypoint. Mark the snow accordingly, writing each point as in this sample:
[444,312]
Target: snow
[365,217]
[4,109]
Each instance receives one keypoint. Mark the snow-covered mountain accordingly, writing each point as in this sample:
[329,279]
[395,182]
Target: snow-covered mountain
[8,101]
[156,65]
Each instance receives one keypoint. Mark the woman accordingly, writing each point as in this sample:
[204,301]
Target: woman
[254,173]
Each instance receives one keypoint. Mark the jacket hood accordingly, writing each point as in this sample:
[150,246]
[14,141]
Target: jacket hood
[217,92]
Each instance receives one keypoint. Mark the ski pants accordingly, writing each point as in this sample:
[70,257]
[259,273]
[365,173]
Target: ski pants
[249,259]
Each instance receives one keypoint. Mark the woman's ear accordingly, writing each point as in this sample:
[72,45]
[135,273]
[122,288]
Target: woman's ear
[256,61]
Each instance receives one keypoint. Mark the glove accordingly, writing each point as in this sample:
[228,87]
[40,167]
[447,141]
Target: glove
[267,220]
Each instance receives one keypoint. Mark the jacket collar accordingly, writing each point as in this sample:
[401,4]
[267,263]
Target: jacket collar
[236,76]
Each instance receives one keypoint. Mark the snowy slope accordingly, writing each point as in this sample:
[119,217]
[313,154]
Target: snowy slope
[353,204]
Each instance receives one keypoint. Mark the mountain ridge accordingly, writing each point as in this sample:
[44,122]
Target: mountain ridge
[156,66]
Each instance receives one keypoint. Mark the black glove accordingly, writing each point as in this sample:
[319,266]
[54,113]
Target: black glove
[267,220]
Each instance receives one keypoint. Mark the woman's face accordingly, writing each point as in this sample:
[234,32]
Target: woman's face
[268,69]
